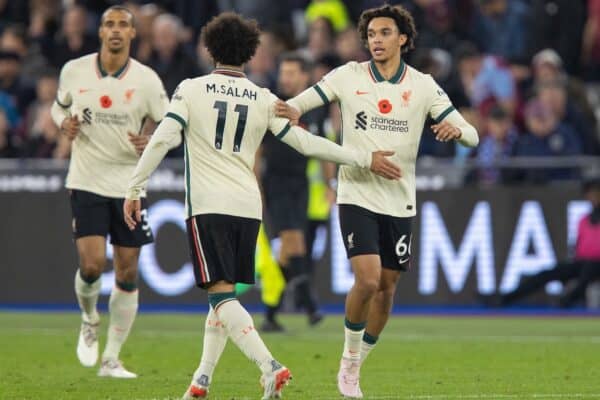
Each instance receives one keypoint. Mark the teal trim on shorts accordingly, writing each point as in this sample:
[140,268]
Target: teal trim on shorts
[358,326]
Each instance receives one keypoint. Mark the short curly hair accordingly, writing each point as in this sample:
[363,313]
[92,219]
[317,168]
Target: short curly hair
[404,21]
[230,38]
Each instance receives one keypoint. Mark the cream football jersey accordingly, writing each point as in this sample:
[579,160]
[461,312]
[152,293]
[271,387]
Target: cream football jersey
[224,116]
[108,108]
[379,114]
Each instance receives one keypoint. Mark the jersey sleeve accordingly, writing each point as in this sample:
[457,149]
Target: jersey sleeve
[440,108]
[157,98]
[64,99]
[165,137]
[439,104]
[277,125]
[326,91]
[178,108]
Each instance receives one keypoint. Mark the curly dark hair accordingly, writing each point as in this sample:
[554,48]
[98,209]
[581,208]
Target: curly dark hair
[230,38]
[404,21]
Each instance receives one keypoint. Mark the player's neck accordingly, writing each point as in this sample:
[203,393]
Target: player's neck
[388,68]
[237,68]
[113,62]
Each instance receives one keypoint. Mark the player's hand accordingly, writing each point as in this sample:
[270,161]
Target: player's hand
[139,142]
[132,210]
[381,166]
[445,132]
[70,127]
[284,110]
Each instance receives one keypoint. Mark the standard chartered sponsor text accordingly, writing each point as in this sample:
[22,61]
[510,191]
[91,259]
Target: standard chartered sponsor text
[389,124]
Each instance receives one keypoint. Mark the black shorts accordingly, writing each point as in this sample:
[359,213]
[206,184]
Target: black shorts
[96,215]
[222,248]
[286,201]
[366,232]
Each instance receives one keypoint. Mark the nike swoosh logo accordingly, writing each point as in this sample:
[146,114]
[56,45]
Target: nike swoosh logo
[84,90]
[403,260]
[358,92]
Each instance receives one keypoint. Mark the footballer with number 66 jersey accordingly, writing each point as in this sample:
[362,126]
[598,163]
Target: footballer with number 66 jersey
[384,104]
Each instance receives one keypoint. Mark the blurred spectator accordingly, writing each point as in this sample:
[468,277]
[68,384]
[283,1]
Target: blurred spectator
[195,14]
[558,24]
[12,11]
[554,95]
[332,10]
[349,47]
[590,53]
[12,83]
[435,62]
[46,89]
[267,12]
[324,64]
[9,108]
[205,61]
[547,67]
[7,146]
[261,68]
[321,39]
[439,25]
[484,80]
[73,41]
[44,137]
[14,38]
[497,144]
[44,17]
[501,27]
[144,19]
[169,59]
[546,136]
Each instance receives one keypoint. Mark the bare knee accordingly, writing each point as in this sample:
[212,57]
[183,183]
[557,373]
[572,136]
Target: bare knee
[367,287]
[92,266]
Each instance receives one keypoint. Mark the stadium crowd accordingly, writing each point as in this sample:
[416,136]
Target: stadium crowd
[526,73]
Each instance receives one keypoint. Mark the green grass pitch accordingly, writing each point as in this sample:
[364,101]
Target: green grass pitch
[421,358]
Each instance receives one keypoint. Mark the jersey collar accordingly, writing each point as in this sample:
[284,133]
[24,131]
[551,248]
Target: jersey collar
[119,74]
[229,72]
[397,78]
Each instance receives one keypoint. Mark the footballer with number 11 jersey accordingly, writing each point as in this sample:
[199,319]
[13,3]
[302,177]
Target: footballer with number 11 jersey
[224,117]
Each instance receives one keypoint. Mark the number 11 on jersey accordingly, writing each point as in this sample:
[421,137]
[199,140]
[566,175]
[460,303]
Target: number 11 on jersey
[242,111]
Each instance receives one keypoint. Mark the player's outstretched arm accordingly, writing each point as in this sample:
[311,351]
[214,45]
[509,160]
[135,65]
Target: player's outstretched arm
[166,137]
[324,149]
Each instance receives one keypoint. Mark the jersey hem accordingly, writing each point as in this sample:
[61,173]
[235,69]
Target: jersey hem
[74,186]
[375,210]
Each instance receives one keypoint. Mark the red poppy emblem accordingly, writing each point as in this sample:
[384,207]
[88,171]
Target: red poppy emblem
[105,101]
[384,106]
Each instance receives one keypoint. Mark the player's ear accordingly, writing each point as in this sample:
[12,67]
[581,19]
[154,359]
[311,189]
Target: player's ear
[133,33]
[403,39]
